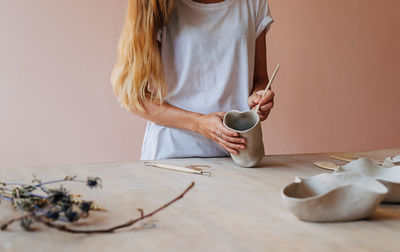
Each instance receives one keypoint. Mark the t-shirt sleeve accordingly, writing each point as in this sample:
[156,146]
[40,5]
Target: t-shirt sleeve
[262,15]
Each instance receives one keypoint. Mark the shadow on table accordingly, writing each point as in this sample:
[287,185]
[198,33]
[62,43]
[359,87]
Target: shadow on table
[265,163]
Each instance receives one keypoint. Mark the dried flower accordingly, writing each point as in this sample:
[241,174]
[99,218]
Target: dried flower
[93,182]
[26,223]
[53,214]
[36,180]
[85,207]
[53,205]
[25,204]
[28,188]
[72,216]
[70,178]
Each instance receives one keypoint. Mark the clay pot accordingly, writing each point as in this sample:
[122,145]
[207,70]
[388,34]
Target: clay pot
[327,197]
[247,124]
[389,176]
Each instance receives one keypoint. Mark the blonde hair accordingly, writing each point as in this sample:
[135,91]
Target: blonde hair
[138,72]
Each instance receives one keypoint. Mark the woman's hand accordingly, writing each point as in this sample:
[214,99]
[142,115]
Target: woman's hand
[211,126]
[266,103]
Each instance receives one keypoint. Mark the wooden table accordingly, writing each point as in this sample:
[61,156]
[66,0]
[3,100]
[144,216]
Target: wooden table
[236,209]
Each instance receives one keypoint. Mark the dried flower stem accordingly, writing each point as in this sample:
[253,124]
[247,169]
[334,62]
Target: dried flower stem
[5,225]
[112,229]
[61,181]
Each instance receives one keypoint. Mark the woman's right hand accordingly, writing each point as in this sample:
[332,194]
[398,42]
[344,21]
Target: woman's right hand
[211,127]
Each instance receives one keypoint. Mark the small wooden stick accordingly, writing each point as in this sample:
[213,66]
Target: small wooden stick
[268,86]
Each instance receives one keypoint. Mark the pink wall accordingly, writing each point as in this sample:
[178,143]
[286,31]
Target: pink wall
[339,84]
[337,88]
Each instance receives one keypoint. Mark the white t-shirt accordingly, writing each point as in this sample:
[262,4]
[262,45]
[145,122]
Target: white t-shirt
[208,52]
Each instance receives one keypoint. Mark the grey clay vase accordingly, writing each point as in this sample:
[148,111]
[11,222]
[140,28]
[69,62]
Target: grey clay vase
[247,124]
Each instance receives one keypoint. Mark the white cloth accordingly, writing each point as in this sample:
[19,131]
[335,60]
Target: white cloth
[208,52]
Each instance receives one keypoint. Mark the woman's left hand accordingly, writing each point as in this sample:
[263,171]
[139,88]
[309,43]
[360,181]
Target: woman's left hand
[266,103]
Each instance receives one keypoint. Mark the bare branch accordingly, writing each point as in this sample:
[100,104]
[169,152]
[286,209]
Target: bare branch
[112,229]
[5,225]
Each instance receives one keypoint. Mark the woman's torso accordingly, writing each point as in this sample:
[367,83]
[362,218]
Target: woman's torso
[208,54]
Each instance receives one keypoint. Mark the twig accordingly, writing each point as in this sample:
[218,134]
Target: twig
[5,225]
[112,229]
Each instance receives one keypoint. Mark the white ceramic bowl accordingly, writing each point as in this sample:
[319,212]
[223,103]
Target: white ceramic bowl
[327,197]
[390,176]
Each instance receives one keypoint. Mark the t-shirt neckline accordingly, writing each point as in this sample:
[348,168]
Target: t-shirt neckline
[208,5]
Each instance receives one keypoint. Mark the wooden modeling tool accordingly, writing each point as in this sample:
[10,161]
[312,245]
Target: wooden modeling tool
[346,159]
[326,165]
[194,169]
[268,86]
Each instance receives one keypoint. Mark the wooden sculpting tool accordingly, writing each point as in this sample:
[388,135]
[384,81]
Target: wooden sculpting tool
[332,166]
[346,159]
[268,86]
[194,169]
[337,157]
[326,165]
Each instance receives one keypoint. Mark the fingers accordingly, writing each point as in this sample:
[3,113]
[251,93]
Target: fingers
[236,140]
[221,128]
[232,151]
[257,98]
[253,99]
[269,96]
[229,146]
[267,107]
[231,142]
[227,132]
[227,138]
[267,103]
[221,115]
[263,116]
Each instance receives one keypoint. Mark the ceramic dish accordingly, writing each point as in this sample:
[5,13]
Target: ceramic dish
[390,162]
[327,197]
[389,176]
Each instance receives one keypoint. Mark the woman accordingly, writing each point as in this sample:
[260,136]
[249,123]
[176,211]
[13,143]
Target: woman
[183,63]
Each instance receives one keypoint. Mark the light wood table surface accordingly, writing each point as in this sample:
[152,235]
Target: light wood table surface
[236,209]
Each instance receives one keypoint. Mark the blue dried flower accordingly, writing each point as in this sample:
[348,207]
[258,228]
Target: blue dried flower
[57,195]
[93,182]
[85,207]
[26,224]
[53,214]
[71,215]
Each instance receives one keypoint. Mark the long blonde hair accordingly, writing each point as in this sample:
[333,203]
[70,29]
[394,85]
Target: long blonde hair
[138,72]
